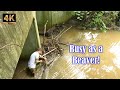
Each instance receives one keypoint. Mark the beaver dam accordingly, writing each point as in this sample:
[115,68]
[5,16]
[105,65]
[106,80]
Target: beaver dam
[60,59]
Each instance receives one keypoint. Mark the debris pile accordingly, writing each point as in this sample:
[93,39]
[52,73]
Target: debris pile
[51,42]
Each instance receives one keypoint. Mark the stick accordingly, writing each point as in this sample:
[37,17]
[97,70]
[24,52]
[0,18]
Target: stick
[50,62]
[63,44]
[59,33]
[49,52]
[63,32]
[45,30]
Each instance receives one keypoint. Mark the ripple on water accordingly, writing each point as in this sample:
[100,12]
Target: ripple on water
[110,58]
[109,66]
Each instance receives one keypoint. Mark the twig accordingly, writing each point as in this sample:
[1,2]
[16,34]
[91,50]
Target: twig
[63,44]
[49,52]
[45,30]
[63,33]
[59,33]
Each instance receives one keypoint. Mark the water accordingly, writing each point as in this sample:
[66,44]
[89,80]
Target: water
[109,66]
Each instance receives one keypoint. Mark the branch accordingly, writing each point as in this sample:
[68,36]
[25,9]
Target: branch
[45,30]
[60,34]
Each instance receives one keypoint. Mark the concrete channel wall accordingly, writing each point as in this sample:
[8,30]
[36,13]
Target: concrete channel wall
[20,40]
[12,41]
[53,17]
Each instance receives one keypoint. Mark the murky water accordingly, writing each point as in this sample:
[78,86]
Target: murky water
[109,66]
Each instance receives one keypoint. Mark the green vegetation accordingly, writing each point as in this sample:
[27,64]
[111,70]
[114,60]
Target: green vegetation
[101,20]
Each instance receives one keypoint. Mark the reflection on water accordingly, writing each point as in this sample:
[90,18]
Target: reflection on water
[109,66]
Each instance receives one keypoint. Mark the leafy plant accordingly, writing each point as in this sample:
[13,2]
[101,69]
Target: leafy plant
[98,19]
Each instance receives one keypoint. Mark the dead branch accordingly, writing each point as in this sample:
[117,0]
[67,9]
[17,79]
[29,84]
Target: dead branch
[63,43]
[49,52]
[45,30]
[59,33]
[58,36]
